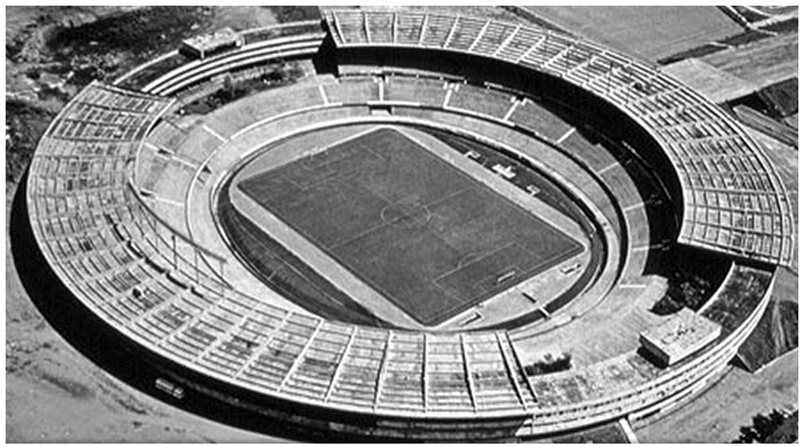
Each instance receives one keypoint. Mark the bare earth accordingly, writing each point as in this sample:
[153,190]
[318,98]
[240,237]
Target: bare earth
[716,415]
[54,394]
[763,63]
[633,29]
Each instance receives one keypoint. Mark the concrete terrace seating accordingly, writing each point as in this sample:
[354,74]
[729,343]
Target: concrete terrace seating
[104,243]
[493,36]
[85,167]
[408,28]
[402,380]
[534,117]
[436,30]
[266,105]
[357,378]
[546,53]
[352,89]
[173,182]
[521,43]
[480,100]
[447,386]
[594,154]
[104,113]
[352,25]
[512,138]
[465,33]
[260,52]
[380,26]
[423,91]
[677,117]
[537,120]
[112,256]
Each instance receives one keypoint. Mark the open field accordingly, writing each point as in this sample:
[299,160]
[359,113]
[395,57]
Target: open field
[762,63]
[633,29]
[716,415]
[61,386]
[425,235]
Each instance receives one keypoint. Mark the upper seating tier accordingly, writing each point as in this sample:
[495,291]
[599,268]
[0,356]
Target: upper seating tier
[102,243]
[700,139]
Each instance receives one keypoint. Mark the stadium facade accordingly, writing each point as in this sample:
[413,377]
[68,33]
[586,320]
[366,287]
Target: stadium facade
[124,191]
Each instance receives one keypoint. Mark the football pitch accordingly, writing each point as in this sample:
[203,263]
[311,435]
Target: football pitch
[425,235]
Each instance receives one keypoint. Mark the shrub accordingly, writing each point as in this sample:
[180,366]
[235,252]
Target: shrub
[549,364]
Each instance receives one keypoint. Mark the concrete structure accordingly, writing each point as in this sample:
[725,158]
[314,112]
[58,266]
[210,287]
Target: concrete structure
[206,45]
[144,271]
[680,336]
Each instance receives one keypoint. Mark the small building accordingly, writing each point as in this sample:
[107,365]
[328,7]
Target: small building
[210,44]
[683,334]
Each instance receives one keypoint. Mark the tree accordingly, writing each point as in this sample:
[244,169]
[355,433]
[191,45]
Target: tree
[765,425]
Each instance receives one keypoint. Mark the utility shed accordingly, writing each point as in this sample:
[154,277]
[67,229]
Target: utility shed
[209,44]
[680,336]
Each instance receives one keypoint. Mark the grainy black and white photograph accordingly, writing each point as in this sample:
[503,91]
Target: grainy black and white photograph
[385,223]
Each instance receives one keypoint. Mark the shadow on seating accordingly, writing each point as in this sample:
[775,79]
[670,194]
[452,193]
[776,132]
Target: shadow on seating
[105,347]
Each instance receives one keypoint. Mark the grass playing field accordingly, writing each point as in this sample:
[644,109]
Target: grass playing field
[425,235]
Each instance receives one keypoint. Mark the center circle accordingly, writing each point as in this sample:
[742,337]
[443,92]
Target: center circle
[408,215]
[407,225]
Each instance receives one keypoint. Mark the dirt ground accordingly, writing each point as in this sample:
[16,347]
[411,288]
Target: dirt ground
[763,63]
[717,414]
[633,29]
[55,394]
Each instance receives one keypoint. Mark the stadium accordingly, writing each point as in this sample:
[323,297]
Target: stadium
[448,228]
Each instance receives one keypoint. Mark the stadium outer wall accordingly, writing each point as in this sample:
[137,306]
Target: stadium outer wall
[294,420]
[327,423]
[660,395]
